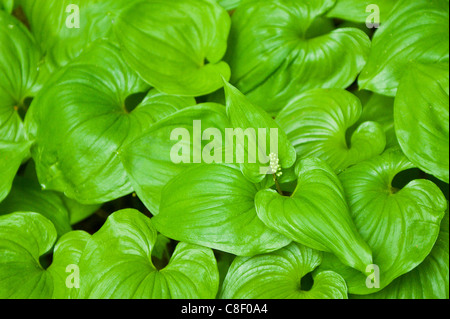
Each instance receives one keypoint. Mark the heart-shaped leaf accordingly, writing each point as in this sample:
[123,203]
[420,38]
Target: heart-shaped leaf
[278,275]
[19,71]
[19,65]
[429,280]
[77,154]
[316,123]
[253,120]
[213,205]
[65,270]
[176,46]
[117,264]
[416,30]
[422,118]
[24,238]
[316,214]
[280,48]
[400,226]
[154,158]
[64,28]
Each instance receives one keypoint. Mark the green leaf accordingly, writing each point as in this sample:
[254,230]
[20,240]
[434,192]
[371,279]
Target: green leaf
[24,238]
[176,46]
[150,161]
[77,143]
[19,65]
[417,30]
[64,268]
[316,214]
[7,5]
[27,196]
[251,119]
[224,261]
[161,251]
[316,122]
[429,280]
[64,28]
[157,105]
[359,10]
[380,109]
[400,226]
[213,205]
[278,275]
[11,157]
[422,118]
[229,4]
[117,264]
[78,211]
[280,48]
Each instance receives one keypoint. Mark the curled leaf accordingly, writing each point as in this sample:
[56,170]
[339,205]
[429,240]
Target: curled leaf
[429,280]
[399,225]
[253,120]
[316,123]
[64,28]
[278,275]
[280,48]
[78,153]
[19,71]
[24,238]
[316,214]
[416,30]
[176,46]
[65,269]
[117,263]
[378,108]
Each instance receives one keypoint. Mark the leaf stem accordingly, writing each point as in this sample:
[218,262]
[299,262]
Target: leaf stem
[277,185]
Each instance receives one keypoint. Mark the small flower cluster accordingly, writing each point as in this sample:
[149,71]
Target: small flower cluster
[274,164]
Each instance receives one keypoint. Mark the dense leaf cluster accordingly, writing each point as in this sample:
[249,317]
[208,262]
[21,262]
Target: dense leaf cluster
[93,205]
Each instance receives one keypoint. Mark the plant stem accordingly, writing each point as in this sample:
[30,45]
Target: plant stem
[277,185]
